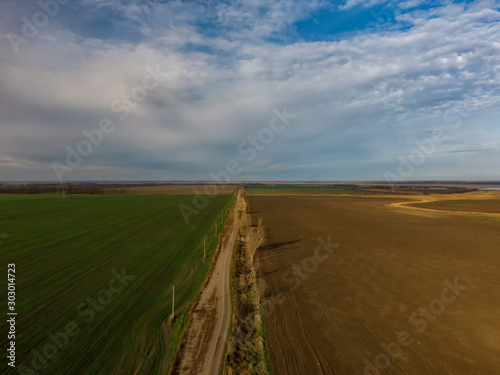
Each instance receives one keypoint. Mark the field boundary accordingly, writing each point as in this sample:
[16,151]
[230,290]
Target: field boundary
[183,338]
[246,349]
[411,206]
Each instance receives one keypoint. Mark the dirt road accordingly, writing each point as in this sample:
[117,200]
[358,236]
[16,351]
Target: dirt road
[207,333]
[458,207]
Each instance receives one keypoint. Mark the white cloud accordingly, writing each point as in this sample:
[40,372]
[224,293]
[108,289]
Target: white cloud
[361,3]
[355,99]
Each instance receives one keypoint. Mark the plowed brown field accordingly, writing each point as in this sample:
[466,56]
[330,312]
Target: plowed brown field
[403,292]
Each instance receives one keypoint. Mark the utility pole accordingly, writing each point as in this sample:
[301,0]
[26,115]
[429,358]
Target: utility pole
[173,301]
[62,187]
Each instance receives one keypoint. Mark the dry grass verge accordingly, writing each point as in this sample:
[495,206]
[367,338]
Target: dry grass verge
[246,350]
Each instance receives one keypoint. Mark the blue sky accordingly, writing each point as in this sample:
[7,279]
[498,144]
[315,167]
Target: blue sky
[366,84]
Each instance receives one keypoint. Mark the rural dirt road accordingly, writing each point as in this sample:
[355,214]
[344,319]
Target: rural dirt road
[207,333]
[488,207]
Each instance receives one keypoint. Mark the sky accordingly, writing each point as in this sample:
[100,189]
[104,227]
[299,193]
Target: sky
[249,90]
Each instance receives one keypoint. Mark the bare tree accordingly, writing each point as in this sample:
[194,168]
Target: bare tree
[256,238]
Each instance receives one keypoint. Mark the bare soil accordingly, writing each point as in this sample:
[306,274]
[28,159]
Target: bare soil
[334,315]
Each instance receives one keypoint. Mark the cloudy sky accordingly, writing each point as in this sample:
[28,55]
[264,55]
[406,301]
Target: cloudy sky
[288,90]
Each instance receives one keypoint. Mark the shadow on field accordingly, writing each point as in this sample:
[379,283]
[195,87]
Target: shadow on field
[277,245]
[267,273]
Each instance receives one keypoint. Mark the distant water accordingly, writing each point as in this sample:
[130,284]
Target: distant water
[490,189]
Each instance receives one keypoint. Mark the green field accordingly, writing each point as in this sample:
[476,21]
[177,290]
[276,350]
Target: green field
[75,315]
[492,219]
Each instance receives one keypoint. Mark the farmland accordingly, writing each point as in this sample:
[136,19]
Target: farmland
[353,285]
[174,189]
[488,206]
[120,188]
[350,189]
[94,278]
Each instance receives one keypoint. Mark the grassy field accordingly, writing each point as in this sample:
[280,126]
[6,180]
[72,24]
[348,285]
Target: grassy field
[94,279]
[490,206]
[341,309]
[492,219]
[180,189]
